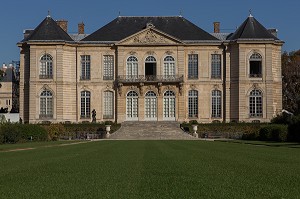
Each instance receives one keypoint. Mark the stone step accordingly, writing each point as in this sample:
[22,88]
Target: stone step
[150,130]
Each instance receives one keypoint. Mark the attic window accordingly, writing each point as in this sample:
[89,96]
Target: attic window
[255,65]
[150,25]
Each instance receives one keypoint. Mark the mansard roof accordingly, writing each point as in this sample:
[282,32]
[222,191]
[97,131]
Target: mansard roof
[122,27]
[251,29]
[48,30]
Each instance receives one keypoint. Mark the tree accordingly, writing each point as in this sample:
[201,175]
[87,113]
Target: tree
[291,81]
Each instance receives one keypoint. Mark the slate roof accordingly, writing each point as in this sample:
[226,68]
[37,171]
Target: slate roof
[123,27]
[48,30]
[8,76]
[251,29]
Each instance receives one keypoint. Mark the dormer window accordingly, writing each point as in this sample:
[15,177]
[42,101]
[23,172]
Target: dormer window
[255,65]
[150,25]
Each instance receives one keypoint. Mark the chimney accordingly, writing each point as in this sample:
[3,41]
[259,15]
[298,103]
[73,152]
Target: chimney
[216,27]
[63,24]
[81,28]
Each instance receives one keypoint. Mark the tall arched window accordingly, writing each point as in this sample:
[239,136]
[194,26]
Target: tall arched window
[108,112]
[85,104]
[169,67]
[169,105]
[46,104]
[132,68]
[193,104]
[150,68]
[216,105]
[255,103]
[255,65]
[150,105]
[46,64]
[132,105]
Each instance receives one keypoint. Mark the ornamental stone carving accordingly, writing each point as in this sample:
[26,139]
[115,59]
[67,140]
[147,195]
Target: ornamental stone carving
[149,37]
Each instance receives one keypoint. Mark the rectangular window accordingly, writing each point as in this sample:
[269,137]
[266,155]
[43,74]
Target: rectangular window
[193,66]
[108,105]
[216,66]
[85,67]
[85,104]
[108,67]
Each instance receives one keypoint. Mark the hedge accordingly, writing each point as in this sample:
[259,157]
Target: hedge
[14,133]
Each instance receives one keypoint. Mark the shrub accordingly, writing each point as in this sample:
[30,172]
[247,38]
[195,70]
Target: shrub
[283,118]
[13,133]
[55,131]
[33,132]
[273,132]
[294,130]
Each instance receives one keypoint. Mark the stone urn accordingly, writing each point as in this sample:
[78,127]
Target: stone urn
[107,128]
[195,128]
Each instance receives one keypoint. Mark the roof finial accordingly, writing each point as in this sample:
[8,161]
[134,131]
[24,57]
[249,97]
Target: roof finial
[119,13]
[48,13]
[180,13]
[250,13]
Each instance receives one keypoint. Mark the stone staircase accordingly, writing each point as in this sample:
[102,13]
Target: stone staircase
[150,131]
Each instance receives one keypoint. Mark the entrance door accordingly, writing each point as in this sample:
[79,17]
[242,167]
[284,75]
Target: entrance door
[132,106]
[169,105]
[150,68]
[150,106]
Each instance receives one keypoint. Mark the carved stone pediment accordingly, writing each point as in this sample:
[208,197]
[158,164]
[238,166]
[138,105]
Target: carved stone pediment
[149,36]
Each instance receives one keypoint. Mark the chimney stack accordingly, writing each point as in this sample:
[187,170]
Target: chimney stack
[63,24]
[216,27]
[81,28]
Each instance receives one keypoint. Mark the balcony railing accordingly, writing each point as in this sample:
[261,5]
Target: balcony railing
[46,116]
[85,77]
[48,76]
[255,75]
[149,78]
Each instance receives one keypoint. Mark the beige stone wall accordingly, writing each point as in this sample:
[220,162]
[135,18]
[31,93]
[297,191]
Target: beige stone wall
[6,95]
[234,83]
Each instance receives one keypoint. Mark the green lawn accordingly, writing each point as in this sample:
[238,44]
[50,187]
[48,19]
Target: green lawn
[152,169]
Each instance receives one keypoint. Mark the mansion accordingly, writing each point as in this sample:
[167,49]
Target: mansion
[150,69]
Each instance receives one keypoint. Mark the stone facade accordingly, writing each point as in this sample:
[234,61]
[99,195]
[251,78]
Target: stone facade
[68,82]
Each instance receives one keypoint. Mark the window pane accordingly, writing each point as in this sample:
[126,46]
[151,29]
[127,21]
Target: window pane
[193,66]
[108,67]
[108,104]
[85,104]
[216,66]
[216,104]
[85,67]
[193,103]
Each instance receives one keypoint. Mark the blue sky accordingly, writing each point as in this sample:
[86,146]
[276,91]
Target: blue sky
[17,15]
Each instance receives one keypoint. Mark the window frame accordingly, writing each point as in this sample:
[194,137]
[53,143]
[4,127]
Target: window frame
[193,104]
[193,66]
[46,67]
[108,104]
[256,103]
[85,104]
[216,104]
[216,66]
[257,58]
[46,100]
[85,63]
[108,67]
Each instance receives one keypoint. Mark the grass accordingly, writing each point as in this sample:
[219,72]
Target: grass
[152,169]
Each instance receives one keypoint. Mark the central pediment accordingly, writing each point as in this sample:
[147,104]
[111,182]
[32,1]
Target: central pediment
[149,36]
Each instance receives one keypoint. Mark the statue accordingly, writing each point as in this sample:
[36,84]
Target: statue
[94,116]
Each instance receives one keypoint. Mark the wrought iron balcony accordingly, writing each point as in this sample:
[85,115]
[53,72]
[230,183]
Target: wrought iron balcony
[258,75]
[46,116]
[149,78]
[48,76]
